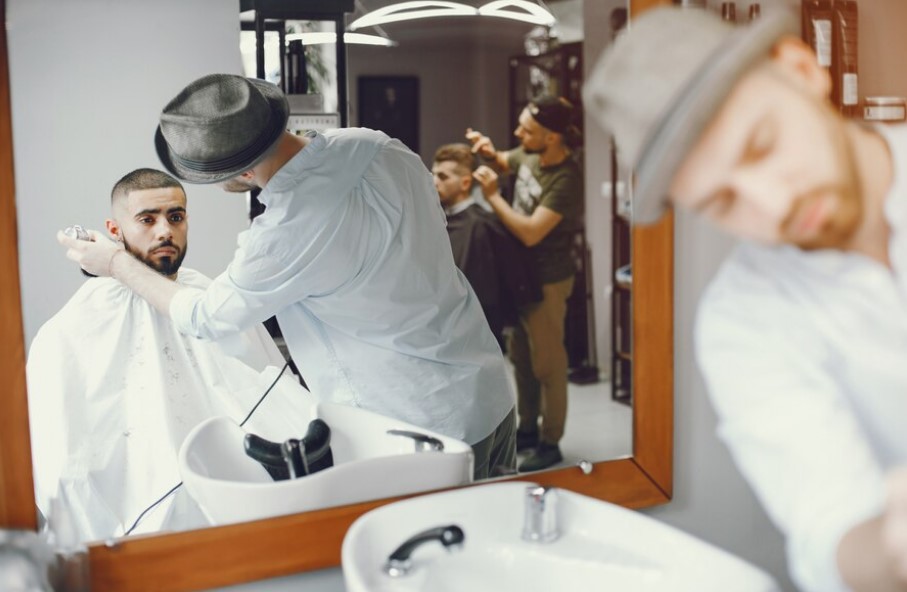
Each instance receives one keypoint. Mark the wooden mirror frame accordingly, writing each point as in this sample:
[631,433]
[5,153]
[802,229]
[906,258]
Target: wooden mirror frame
[225,555]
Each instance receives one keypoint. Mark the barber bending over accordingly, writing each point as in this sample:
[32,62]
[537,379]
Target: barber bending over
[350,255]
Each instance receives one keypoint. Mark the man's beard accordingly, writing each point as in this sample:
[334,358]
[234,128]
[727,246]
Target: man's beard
[165,265]
[839,229]
[533,150]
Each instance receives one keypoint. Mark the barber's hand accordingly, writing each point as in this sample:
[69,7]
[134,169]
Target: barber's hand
[481,144]
[894,524]
[487,179]
[94,256]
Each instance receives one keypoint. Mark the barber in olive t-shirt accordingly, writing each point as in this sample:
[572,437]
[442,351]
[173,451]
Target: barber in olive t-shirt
[547,212]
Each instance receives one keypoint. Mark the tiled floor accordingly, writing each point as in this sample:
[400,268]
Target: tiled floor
[597,428]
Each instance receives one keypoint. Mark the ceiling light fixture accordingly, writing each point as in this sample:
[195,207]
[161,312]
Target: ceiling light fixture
[525,11]
[322,37]
[520,10]
[407,11]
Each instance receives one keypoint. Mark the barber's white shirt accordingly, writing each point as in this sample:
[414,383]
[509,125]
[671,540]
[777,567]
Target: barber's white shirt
[352,256]
[805,358]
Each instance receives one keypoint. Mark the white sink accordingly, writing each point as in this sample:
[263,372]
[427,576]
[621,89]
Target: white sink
[369,464]
[601,546]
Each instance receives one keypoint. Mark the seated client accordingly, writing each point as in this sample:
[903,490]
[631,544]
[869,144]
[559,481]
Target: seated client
[114,388]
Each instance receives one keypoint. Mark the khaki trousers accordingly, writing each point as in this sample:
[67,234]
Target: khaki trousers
[539,358]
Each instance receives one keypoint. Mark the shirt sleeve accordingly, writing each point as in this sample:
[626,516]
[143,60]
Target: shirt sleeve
[788,426]
[563,195]
[515,159]
[309,253]
[227,306]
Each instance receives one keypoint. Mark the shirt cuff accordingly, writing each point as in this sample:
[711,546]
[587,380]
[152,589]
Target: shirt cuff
[182,310]
[817,570]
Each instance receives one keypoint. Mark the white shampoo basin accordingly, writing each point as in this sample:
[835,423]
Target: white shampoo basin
[369,464]
[601,547]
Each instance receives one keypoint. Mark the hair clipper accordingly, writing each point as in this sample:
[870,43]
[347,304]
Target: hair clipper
[78,232]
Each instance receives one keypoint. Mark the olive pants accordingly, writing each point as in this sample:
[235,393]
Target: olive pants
[496,454]
[539,358]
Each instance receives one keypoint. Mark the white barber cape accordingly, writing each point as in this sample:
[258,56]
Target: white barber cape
[113,390]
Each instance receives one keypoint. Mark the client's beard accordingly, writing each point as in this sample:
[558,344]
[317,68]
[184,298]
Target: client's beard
[165,265]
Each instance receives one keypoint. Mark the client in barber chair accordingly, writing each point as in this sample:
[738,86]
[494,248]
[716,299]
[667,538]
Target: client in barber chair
[114,388]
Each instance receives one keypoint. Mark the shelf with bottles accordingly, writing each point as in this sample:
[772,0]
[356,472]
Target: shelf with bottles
[730,14]
[830,28]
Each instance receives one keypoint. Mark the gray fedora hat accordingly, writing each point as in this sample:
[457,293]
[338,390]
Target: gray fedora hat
[220,126]
[663,80]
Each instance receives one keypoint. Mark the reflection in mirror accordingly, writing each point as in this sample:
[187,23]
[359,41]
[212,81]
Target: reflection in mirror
[480,74]
[435,78]
[100,114]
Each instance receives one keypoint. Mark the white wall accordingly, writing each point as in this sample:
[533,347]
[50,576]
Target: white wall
[596,21]
[463,76]
[711,499]
[88,80]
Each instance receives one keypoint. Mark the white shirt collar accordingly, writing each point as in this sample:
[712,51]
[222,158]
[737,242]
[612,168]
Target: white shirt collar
[287,176]
[459,206]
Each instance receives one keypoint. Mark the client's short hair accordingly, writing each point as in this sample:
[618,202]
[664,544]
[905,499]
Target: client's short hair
[460,154]
[141,179]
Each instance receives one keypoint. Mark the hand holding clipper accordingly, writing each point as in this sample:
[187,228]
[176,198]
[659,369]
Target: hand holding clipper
[90,249]
[76,231]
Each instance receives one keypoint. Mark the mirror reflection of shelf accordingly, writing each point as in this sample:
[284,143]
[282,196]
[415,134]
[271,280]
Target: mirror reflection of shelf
[623,277]
[619,192]
[623,203]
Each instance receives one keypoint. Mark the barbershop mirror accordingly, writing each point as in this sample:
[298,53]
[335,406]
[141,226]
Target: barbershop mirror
[86,113]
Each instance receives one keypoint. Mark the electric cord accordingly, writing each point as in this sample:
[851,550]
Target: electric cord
[178,485]
[262,398]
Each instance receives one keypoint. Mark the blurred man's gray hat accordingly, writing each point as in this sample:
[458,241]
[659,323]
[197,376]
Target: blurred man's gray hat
[664,79]
[220,126]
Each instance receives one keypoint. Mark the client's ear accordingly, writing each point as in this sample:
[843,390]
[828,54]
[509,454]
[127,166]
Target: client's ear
[113,229]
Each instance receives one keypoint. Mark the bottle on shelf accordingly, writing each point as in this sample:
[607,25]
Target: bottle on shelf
[845,90]
[755,11]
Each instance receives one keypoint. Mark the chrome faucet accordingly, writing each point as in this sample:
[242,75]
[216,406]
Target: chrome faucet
[399,563]
[540,523]
[423,442]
